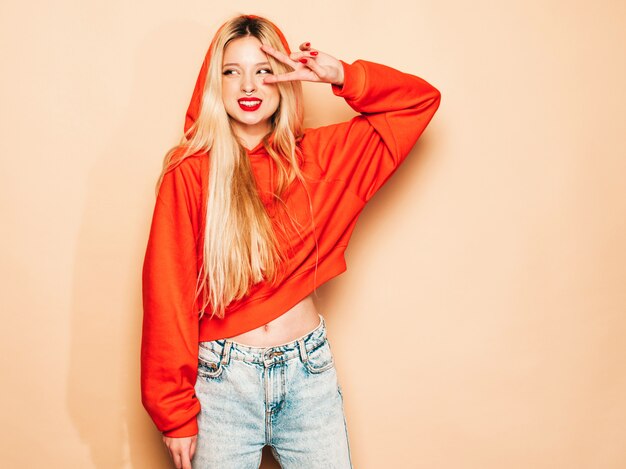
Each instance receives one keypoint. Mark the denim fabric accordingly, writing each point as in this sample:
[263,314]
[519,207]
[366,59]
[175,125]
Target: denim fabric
[286,396]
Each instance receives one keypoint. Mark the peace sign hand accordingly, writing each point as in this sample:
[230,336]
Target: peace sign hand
[308,65]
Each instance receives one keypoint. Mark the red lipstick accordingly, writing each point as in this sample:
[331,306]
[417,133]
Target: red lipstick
[249,104]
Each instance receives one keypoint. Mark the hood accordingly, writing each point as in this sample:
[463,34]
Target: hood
[196,99]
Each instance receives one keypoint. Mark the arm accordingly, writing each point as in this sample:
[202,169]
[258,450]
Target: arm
[169,347]
[395,109]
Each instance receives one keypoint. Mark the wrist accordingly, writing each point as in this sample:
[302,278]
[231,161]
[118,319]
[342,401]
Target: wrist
[339,81]
[353,83]
[188,429]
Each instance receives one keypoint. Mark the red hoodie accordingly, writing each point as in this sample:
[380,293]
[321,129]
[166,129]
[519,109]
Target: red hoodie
[344,165]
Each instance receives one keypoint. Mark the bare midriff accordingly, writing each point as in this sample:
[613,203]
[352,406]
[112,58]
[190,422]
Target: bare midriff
[295,323]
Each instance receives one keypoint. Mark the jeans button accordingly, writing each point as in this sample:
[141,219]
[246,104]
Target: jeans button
[275,353]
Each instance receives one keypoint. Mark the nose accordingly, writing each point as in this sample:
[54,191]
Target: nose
[247,85]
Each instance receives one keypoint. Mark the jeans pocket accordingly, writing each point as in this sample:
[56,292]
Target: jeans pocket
[209,363]
[320,359]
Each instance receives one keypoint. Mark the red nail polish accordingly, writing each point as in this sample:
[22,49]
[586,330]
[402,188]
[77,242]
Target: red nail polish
[303,60]
[314,53]
[307,44]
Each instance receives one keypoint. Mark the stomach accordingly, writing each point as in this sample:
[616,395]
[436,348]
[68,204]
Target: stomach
[293,324]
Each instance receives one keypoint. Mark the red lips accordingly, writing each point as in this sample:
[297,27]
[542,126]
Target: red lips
[249,104]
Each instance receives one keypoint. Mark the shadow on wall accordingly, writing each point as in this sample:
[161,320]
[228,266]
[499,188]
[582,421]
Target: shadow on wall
[107,311]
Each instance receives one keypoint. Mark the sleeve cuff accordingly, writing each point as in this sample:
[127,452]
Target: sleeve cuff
[353,81]
[188,429]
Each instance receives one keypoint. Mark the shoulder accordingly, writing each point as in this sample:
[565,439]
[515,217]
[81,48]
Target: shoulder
[191,169]
[193,164]
[185,181]
[322,133]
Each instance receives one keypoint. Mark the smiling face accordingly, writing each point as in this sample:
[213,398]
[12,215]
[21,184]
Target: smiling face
[248,101]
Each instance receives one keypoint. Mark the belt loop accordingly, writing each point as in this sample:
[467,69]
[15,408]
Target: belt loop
[226,352]
[303,355]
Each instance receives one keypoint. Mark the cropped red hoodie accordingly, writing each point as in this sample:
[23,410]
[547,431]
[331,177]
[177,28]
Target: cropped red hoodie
[344,165]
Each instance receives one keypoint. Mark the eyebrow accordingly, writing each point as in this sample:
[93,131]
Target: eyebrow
[256,65]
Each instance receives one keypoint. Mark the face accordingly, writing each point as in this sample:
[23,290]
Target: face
[248,101]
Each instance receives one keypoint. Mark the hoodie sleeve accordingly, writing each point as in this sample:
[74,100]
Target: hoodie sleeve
[169,347]
[394,107]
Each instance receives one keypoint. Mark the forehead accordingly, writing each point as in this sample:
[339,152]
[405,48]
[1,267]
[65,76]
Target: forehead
[244,50]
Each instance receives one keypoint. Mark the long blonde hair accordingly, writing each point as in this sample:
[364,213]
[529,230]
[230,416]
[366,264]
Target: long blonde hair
[240,246]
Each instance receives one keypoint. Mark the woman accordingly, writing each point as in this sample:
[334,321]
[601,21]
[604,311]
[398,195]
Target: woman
[253,213]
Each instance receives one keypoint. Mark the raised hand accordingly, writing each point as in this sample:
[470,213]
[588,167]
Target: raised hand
[308,65]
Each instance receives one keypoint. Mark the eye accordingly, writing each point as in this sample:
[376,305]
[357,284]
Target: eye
[266,71]
[229,71]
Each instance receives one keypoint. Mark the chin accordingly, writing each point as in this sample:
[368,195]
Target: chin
[253,121]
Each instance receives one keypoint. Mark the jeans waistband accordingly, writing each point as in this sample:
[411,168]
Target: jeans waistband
[299,347]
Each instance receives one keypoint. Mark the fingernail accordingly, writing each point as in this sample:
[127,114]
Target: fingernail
[314,53]
[303,60]
[307,44]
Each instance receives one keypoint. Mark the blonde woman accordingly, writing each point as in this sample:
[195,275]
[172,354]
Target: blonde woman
[253,213]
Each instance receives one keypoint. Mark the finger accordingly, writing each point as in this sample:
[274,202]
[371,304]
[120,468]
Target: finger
[291,76]
[169,450]
[278,55]
[296,56]
[317,69]
[305,46]
[186,462]
[176,458]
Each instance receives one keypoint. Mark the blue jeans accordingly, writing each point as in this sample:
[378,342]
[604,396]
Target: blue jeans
[286,396]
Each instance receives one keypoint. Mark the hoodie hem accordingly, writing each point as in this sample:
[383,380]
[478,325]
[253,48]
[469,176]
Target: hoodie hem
[260,311]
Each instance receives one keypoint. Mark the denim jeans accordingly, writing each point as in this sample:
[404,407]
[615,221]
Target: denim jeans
[286,396]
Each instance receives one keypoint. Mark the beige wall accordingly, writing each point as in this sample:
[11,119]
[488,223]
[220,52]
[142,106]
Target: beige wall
[481,320]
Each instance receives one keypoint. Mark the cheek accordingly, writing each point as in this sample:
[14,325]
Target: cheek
[230,89]
[229,98]
[275,98]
